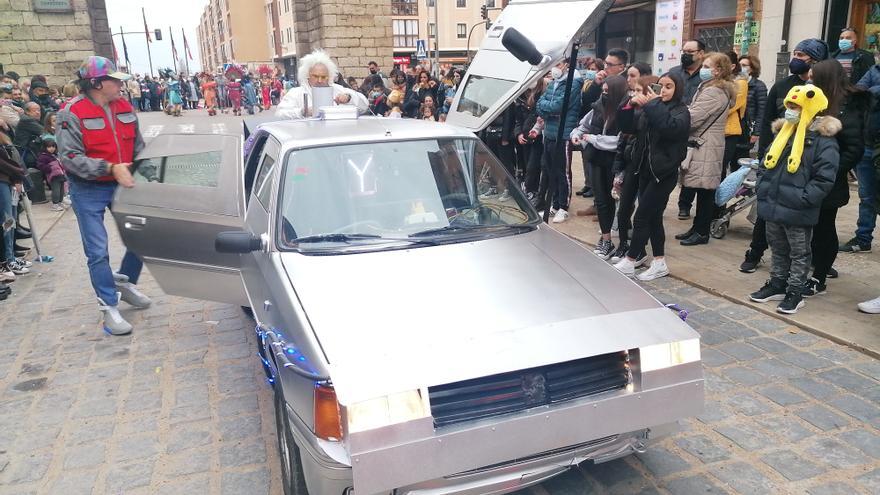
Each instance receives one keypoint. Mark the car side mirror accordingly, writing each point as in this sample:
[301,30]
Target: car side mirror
[521,47]
[238,242]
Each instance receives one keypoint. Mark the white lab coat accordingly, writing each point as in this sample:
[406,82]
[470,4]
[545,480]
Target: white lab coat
[291,105]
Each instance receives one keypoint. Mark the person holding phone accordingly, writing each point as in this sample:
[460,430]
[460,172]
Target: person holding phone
[316,70]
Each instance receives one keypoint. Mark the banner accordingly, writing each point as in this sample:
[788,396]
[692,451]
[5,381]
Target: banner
[668,29]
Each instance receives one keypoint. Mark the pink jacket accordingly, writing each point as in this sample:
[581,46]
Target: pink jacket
[49,165]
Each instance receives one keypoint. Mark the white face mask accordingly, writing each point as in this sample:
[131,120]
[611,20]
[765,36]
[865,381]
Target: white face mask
[792,116]
[556,72]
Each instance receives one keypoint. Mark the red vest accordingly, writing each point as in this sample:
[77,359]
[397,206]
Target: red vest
[100,139]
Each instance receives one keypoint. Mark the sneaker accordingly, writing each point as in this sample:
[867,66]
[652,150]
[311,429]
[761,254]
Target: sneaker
[814,288]
[751,263]
[605,249]
[854,246]
[642,260]
[130,294]
[16,268]
[870,307]
[6,274]
[66,201]
[119,278]
[657,269]
[770,292]
[505,196]
[23,262]
[114,323]
[620,254]
[832,273]
[626,266]
[583,191]
[57,207]
[560,216]
[490,193]
[792,303]
[684,213]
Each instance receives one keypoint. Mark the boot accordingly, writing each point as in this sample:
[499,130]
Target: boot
[114,323]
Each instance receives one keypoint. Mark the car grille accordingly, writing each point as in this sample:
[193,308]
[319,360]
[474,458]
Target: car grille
[519,390]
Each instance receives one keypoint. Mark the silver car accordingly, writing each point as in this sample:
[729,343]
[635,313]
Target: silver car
[423,330]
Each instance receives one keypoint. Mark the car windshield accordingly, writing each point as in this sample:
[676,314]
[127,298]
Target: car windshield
[481,92]
[375,194]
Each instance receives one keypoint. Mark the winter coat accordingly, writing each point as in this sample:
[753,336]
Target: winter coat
[526,118]
[27,138]
[550,107]
[735,115]
[851,143]
[795,199]
[871,82]
[861,63]
[11,171]
[660,133]
[756,104]
[50,166]
[692,82]
[714,98]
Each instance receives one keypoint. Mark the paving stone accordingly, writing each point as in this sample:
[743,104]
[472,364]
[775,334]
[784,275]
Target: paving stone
[238,428]
[98,407]
[839,354]
[774,368]
[192,462]
[192,396]
[187,436]
[662,462]
[744,376]
[242,453]
[748,404]
[703,448]
[835,453]
[770,345]
[692,486]
[139,447]
[27,468]
[741,351]
[870,369]
[188,485]
[711,337]
[197,412]
[789,428]
[716,384]
[798,338]
[791,465]
[713,412]
[234,406]
[806,360]
[74,482]
[871,481]
[821,417]
[747,437]
[767,324]
[857,408]
[848,380]
[254,482]
[86,455]
[189,378]
[812,387]
[744,478]
[122,478]
[781,395]
[136,425]
[833,488]
[864,440]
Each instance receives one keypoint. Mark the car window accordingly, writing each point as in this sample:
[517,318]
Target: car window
[263,185]
[396,189]
[196,169]
[481,92]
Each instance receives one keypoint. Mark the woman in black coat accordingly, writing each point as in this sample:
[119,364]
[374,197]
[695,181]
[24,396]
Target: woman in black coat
[850,105]
[661,133]
[756,101]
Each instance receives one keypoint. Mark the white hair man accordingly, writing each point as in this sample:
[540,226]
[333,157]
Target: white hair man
[316,70]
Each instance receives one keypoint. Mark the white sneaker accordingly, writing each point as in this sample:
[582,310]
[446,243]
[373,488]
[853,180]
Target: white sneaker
[640,262]
[6,274]
[119,278]
[560,216]
[57,207]
[657,269]
[626,266]
[505,196]
[66,201]
[130,294]
[114,323]
[870,307]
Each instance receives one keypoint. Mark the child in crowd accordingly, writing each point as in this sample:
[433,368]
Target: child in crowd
[47,162]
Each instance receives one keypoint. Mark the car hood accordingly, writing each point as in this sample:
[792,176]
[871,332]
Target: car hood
[400,320]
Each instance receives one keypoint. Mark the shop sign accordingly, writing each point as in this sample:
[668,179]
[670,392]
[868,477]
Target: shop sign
[54,6]
[755,37]
[668,29]
[401,60]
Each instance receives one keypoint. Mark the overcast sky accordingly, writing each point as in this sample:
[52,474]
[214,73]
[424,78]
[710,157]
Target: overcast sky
[161,14]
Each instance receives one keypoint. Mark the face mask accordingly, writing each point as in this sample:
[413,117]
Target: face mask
[705,74]
[556,72]
[375,95]
[589,75]
[798,66]
[373,71]
[845,45]
[687,60]
[792,116]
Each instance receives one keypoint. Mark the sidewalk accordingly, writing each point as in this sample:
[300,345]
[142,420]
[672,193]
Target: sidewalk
[715,268]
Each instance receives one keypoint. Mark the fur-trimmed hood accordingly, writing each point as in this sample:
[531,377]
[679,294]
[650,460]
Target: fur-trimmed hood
[825,125]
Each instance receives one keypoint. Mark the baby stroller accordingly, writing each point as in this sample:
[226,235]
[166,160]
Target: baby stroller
[736,194]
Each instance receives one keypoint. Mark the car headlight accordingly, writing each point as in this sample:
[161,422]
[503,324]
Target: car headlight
[660,356]
[389,410]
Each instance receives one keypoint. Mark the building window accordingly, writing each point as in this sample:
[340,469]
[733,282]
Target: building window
[432,30]
[714,23]
[229,25]
[461,31]
[405,32]
[461,4]
[490,4]
[405,7]
[714,9]
[286,6]
[430,3]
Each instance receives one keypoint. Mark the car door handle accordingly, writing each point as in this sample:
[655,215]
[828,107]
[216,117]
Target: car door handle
[135,223]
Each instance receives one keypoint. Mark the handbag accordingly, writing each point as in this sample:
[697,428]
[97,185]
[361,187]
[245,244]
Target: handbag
[695,143]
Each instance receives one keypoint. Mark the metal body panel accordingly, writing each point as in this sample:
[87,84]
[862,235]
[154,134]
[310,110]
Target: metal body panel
[552,25]
[545,428]
[434,315]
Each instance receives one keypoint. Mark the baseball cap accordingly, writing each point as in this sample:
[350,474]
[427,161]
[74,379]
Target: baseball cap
[95,67]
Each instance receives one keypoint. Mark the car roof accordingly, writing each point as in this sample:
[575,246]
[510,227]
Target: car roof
[306,133]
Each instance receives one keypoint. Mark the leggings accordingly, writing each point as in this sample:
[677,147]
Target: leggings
[627,203]
[648,221]
[57,185]
[558,171]
[533,152]
[824,243]
[705,208]
[603,179]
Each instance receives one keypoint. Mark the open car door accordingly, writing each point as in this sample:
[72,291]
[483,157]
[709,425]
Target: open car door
[188,188]
[496,78]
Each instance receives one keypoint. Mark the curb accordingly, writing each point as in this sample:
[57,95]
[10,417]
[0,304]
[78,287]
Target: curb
[803,326]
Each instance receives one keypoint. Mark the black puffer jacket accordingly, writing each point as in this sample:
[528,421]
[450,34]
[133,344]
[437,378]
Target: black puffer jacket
[795,199]
[851,143]
[663,128]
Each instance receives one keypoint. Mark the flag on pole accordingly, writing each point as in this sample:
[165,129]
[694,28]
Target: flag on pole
[146,29]
[186,45]
[115,53]
[173,46]
[125,49]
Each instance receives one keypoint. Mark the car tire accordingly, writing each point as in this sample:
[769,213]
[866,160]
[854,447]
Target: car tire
[292,477]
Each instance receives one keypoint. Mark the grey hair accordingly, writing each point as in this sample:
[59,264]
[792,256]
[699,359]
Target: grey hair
[317,57]
[32,104]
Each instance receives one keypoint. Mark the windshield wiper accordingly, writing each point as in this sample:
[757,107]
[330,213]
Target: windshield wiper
[452,229]
[333,238]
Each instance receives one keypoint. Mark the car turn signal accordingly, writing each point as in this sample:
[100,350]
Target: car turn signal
[328,423]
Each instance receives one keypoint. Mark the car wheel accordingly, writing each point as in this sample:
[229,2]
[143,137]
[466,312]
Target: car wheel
[292,477]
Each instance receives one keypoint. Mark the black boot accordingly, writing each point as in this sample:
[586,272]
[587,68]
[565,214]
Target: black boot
[685,235]
[695,239]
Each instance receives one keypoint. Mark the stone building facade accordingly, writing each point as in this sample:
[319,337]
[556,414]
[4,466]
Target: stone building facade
[52,43]
[353,34]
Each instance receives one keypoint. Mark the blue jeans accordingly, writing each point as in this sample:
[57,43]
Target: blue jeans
[89,201]
[7,212]
[867,191]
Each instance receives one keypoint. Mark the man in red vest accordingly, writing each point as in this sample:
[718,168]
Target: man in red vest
[98,138]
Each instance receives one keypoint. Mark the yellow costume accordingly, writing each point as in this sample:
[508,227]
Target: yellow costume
[811,100]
